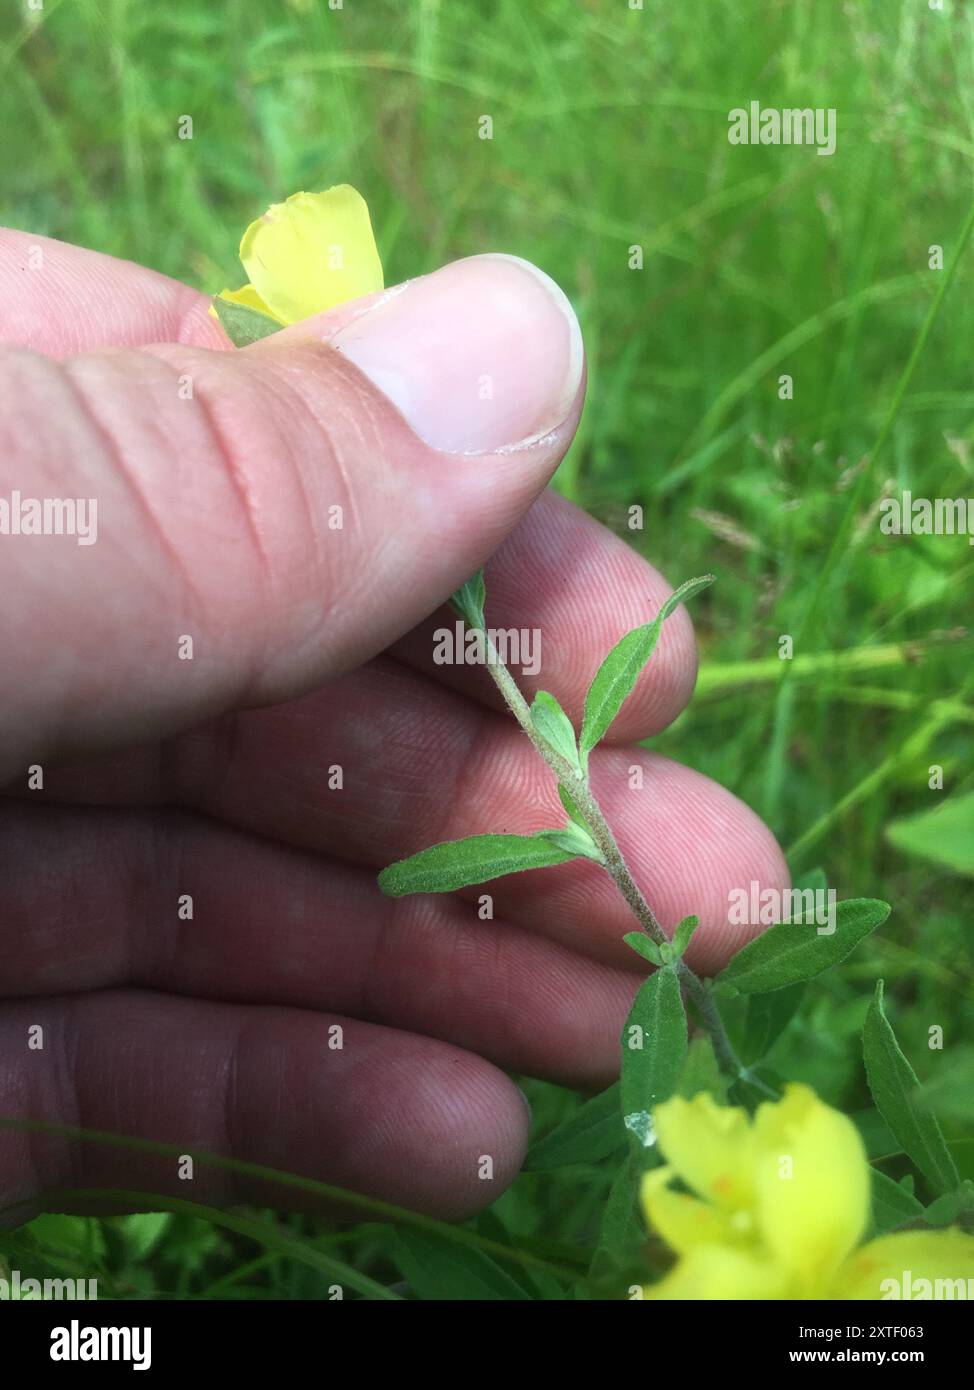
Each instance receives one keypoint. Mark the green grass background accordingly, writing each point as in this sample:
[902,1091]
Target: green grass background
[610,131]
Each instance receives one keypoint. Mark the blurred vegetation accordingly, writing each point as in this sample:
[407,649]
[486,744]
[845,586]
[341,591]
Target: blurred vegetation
[610,131]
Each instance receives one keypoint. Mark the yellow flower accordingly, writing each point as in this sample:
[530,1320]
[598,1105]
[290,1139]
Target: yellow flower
[309,254]
[777,1206]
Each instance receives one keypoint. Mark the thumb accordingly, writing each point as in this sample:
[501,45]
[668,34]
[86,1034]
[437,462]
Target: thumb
[257,521]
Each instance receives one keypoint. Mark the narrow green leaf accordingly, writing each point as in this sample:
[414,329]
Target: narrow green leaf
[469,599]
[143,1230]
[576,842]
[945,1210]
[793,951]
[896,1091]
[617,675]
[950,1093]
[617,1258]
[592,1133]
[875,1133]
[682,935]
[243,325]
[768,1015]
[437,1269]
[639,942]
[654,1043]
[536,1283]
[813,880]
[574,814]
[701,1071]
[554,726]
[893,1205]
[944,835]
[457,863]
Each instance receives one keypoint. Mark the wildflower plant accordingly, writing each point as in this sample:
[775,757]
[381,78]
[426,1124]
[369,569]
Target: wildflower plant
[750,1185]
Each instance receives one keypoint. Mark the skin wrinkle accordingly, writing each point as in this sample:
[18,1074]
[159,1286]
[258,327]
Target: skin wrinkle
[352,421]
[285,387]
[70,1091]
[233,470]
[227,470]
[206,415]
[32,377]
[115,454]
[230,1091]
[297,473]
[51,1091]
[32,1163]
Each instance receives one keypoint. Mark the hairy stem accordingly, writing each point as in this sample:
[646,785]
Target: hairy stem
[577,787]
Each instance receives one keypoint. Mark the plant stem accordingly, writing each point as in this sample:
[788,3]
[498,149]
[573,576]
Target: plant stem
[577,786]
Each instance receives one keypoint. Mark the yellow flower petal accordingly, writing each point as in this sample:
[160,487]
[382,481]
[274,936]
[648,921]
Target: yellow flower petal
[812,1185]
[249,298]
[312,252]
[686,1222]
[710,1147]
[915,1265]
[714,1272]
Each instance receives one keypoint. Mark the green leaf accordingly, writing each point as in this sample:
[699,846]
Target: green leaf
[701,1071]
[944,835]
[945,1210]
[243,325]
[457,863]
[875,1133]
[143,1231]
[962,1150]
[593,1132]
[639,942]
[620,670]
[768,1015]
[576,841]
[536,1283]
[571,808]
[682,935]
[621,1234]
[554,726]
[893,1204]
[439,1269]
[654,1044]
[812,879]
[469,599]
[950,1093]
[793,951]
[895,1089]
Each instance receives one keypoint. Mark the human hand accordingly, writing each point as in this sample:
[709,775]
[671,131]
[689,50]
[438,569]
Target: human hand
[215,476]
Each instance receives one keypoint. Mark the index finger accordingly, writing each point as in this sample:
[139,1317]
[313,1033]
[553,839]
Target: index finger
[60,299]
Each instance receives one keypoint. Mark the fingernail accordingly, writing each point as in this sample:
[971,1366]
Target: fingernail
[485,354]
